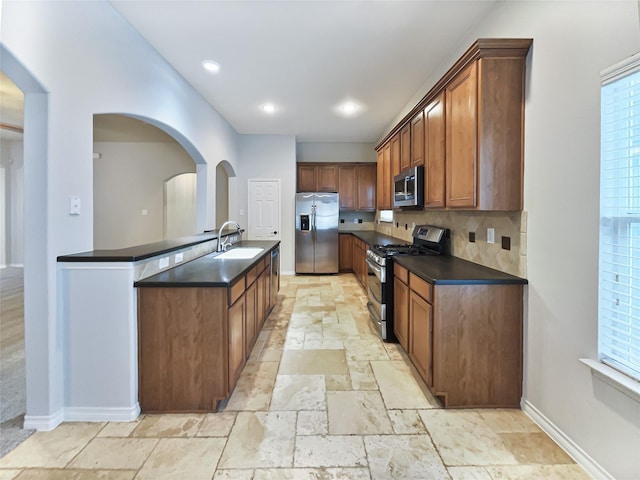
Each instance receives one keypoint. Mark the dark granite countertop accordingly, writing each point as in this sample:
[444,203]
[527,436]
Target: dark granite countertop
[139,252]
[371,237]
[447,270]
[209,272]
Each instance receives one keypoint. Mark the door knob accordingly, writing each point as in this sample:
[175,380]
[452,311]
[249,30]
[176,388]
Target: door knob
[275,233]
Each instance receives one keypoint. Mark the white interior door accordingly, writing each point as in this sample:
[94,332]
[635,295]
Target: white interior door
[264,209]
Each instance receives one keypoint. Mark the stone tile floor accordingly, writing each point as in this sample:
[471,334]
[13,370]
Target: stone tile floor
[321,397]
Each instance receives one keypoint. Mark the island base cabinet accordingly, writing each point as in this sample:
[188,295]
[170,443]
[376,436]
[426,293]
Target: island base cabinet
[183,339]
[477,345]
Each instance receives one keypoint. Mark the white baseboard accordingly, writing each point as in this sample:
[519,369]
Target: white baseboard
[102,414]
[17,265]
[573,450]
[43,423]
[287,272]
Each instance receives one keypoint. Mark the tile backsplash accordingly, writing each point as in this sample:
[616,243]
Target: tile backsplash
[505,224]
[357,220]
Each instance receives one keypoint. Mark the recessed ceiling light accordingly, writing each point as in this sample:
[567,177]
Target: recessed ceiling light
[268,108]
[348,109]
[211,66]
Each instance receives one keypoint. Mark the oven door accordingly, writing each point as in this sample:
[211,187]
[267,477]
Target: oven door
[376,276]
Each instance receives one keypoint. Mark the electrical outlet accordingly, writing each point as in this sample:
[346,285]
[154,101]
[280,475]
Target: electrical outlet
[491,235]
[163,263]
[472,237]
[178,257]
[506,243]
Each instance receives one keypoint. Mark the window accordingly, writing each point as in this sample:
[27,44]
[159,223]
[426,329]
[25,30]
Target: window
[619,275]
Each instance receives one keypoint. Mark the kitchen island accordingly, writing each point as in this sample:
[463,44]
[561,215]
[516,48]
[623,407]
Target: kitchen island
[197,324]
[98,308]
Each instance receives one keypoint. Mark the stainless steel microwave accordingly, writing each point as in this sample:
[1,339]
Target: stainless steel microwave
[408,188]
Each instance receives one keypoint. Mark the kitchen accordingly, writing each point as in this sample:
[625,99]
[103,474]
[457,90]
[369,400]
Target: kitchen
[556,384]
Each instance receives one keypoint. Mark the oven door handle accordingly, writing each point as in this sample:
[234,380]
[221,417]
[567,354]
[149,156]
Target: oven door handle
[377,270]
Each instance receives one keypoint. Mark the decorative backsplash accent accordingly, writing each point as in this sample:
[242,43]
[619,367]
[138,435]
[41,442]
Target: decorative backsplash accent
[505,224]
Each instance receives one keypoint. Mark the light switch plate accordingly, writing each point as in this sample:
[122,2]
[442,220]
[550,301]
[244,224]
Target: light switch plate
[178,258]
[74,205]
[163,263]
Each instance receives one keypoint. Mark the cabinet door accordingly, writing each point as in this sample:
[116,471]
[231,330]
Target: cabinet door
[327,178]
[307,178]
[366,187]
[251,327]
[236,340]
[401,312]
[346,252]
[461,135]
[417,140]
[434,143]
[346,187]
[405,147]
[380,179]
[420,336]
[387,178]
[263,300]
[395,158]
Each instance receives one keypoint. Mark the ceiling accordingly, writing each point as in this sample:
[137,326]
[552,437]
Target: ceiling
[306,57]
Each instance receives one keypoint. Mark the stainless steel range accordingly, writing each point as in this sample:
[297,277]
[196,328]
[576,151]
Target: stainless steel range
[427,240]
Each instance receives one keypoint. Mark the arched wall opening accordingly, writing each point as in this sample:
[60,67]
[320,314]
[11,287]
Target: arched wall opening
[132,202]
[226,191]
[43,354]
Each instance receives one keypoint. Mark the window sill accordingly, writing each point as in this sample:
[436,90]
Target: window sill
[614,378]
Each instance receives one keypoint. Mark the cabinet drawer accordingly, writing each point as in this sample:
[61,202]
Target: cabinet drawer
[401,273]
[236,291]
[252,275]
[422,288]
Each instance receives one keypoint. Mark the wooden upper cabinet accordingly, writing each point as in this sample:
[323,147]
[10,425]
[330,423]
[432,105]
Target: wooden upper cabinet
[417,140]
[327,178]
[434,153]
[394,158]
[366,187]
[461,138]
[317,178]
[475,115]
[383,180]
[346,187]
[405,147]
[307,178]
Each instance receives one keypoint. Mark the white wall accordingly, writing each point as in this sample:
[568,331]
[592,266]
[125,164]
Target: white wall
[272,157]
[127,178]
[74,60]
[335,152]
[572,43]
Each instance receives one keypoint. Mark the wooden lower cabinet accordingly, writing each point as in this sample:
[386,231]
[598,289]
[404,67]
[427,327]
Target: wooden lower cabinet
[182,359]
[401,312]
[345,255]
[237,357]
[420,322]
[464,340]
[252,327]
[193,342]
[360,261]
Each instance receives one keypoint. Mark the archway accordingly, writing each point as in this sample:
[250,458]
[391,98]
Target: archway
[226,191]
[132,162]
[45,361]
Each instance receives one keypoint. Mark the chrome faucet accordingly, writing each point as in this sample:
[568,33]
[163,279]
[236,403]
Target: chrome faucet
[223,246]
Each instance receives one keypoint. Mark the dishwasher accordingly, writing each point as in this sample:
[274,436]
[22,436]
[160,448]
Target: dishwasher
[275,275]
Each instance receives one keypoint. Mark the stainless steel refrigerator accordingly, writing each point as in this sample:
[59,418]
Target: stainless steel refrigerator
[317,232]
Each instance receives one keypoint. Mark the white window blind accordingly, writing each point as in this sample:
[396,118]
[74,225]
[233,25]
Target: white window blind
[619,276]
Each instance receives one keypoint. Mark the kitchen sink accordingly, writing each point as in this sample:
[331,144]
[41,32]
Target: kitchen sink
[240,253]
